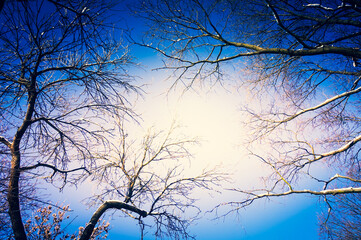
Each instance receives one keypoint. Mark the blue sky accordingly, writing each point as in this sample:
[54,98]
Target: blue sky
[286,218]
[211,113]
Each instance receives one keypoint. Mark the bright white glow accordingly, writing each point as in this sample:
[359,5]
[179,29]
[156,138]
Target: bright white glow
[211,117]
[215,119]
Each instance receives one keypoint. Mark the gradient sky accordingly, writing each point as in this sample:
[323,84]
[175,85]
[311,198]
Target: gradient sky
[211,113]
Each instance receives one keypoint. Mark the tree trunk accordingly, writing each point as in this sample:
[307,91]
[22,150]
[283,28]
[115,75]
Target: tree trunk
[13,196]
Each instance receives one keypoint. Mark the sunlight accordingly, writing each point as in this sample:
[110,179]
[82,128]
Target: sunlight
[211,117]
[215,119]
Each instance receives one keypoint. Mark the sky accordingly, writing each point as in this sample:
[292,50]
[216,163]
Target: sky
[211,113]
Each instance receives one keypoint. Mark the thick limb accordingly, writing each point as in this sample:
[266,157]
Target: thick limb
[110,204]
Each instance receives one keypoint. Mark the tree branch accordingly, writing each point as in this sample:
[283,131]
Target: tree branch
[326,102]
[5,141]
[279,22]
[334,152]
[326,192]
[337,176]
[55,169]
[110,204]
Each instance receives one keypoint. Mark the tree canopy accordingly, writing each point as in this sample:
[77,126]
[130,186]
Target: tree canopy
[303,55]
[64,84]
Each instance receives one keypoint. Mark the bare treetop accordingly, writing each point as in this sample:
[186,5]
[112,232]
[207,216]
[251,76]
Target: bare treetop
[300,60]
[200,35]
[61,69]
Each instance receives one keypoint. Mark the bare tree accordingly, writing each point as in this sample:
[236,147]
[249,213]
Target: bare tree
[305,55]
[343,221]
[148,180]
[61,69]
[63,78]
[343,218]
